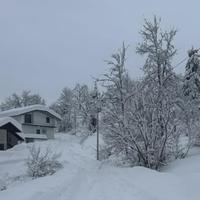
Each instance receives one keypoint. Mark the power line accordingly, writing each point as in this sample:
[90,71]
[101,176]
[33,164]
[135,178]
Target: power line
[177,65]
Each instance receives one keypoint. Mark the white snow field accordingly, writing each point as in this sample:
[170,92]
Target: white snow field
[84,178]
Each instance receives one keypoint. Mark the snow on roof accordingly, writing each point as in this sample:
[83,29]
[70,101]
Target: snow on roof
[20,134]
[35,136]
[6,120]
[22,110]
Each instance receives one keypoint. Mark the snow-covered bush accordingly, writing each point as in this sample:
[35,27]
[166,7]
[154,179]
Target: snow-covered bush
[42,163]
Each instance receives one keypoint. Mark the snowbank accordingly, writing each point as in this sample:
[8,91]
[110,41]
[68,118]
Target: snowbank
[83,178]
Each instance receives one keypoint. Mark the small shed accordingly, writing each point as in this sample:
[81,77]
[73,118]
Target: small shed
[10,133]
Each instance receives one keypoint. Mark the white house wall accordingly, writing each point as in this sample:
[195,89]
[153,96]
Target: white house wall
[38,123]
[50,132]
[28,129]
[40,118]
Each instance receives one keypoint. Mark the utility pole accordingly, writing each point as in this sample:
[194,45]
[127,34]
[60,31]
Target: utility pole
[97,135]
[75,121]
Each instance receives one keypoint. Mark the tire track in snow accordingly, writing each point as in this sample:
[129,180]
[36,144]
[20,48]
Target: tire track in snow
[100,184]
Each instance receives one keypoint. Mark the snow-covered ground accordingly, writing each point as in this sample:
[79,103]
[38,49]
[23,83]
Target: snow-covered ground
[84,178]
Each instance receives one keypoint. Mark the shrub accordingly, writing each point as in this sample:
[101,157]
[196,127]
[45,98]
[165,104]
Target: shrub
[42,163]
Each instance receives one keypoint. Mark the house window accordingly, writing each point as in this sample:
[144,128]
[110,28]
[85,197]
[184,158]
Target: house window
[38,131]
[44,131]
[47,120]
[28,118]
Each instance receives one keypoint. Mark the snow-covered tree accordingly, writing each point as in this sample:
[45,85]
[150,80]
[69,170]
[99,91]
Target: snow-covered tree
[28,99]
[76,108]
[140,117]
[114,117]
[25,99]
[64,106]
[191,97]
[191,85]
[160,90]
[84,105]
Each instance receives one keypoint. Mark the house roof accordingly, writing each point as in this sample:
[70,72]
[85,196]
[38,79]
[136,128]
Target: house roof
[22,110]
[6,120]
[17,125]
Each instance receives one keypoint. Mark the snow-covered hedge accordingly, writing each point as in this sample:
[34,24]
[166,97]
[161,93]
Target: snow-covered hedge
[42,163]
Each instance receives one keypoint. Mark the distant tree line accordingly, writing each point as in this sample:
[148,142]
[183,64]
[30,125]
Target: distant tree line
[21,100]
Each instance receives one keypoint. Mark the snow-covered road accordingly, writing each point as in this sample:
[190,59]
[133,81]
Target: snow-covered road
[83,178]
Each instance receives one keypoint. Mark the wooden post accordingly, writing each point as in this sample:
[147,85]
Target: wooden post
[97,135]
[75,121]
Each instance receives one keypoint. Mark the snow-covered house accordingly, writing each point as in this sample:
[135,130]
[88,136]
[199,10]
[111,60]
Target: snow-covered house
[10,133]
[37,122]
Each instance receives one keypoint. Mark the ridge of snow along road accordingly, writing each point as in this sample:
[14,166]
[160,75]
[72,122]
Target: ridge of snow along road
[84,178]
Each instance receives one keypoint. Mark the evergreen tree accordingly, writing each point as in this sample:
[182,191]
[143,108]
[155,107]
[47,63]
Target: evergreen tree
[191,87]
[191,98]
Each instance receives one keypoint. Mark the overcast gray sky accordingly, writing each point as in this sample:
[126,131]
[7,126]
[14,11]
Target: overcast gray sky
[46,45]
